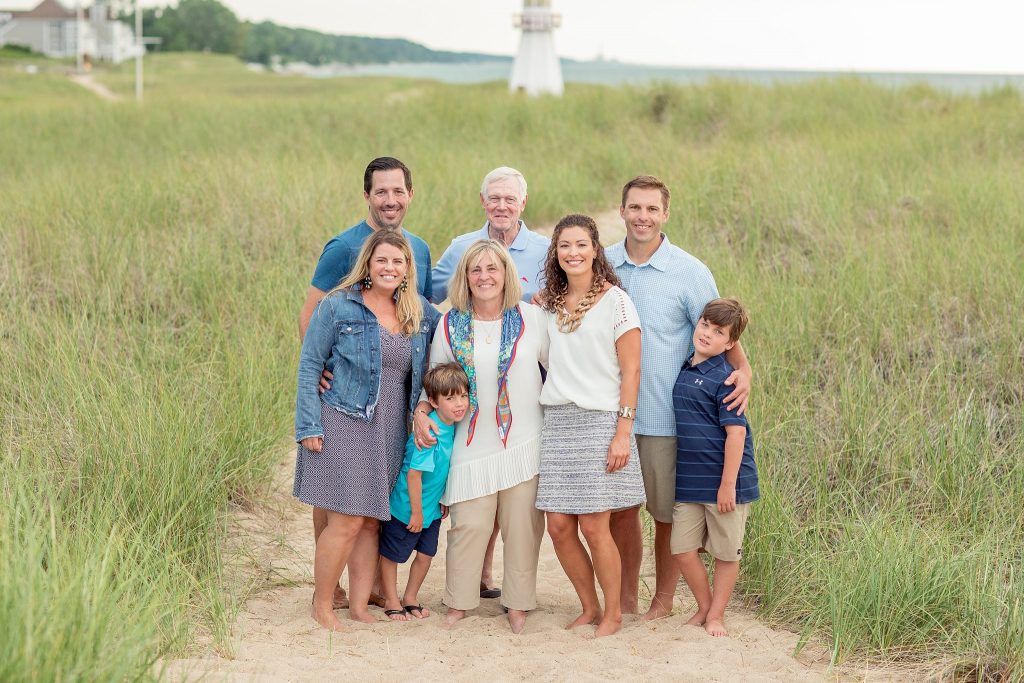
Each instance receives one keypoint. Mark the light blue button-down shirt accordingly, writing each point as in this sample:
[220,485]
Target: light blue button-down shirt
[528,251]
[669,292]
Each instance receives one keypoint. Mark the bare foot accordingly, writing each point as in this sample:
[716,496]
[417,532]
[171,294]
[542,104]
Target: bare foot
[716,627]
[517,620]
[660,608]
[453,616]
[607,627]
[630,607]
[340,599]
[362,615]
[697,619]
[584,619]
[327,619]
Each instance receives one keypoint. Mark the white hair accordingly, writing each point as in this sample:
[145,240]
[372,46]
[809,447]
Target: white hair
[501,173]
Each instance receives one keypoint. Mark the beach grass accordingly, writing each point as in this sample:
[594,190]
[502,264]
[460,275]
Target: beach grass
[154,259]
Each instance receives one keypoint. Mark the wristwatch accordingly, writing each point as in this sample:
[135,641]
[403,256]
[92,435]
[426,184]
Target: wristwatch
[626,412]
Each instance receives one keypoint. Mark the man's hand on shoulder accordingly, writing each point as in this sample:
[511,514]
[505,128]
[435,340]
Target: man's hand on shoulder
[325,381]
[740,395]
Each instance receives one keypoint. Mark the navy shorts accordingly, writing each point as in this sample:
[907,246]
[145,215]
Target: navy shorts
[397,542]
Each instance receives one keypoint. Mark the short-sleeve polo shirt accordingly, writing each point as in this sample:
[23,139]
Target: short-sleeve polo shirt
[669,291]
[529,251]
[339,255]
[434,462]
[701,418]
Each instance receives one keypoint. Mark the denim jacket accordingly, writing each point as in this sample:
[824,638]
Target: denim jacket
[343,336]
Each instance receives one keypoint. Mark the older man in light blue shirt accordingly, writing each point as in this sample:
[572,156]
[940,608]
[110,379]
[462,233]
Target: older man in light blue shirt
[503,197]
[670,289]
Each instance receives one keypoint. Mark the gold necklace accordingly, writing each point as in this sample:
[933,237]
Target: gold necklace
[488,330]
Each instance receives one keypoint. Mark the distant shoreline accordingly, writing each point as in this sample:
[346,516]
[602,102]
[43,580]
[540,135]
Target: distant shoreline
[619,73]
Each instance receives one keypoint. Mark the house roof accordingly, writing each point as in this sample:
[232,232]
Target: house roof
[47,9]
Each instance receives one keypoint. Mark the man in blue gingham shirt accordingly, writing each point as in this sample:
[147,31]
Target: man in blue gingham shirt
[670,289]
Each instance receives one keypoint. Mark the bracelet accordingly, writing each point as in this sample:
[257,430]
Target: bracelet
[627,412]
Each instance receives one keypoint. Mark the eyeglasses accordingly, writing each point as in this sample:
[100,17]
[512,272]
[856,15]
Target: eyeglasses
[494,202]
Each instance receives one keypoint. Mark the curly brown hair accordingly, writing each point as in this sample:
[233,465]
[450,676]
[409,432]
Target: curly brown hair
[556,283]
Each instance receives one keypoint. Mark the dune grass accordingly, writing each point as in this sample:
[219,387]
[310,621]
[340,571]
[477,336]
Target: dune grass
[154,259]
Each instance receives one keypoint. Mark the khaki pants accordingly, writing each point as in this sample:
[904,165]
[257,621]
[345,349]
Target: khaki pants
[522,529]
[658,466]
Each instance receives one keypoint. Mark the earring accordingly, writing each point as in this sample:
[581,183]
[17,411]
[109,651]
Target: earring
[405,283]
[367,283]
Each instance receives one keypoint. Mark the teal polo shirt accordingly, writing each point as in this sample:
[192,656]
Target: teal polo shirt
[339,255]
[433,462]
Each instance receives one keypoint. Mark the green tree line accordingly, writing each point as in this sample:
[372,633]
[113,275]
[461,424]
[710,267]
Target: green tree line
[209,26]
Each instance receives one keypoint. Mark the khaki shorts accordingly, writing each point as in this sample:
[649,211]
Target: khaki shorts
[658,466]
[697,525]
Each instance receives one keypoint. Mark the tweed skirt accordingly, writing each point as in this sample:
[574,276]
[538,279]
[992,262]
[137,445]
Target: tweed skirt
[573,457]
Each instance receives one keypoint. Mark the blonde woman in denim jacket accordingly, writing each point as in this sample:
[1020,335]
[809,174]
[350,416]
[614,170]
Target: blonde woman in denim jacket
[373,333]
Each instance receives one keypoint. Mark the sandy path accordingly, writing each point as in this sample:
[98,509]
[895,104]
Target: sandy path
[274,638]
[91,84]
[609,226]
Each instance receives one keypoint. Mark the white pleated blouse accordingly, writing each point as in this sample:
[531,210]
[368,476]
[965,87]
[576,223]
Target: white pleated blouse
[486,466]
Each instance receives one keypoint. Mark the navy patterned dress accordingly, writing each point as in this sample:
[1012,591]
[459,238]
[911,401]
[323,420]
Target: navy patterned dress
[359,463]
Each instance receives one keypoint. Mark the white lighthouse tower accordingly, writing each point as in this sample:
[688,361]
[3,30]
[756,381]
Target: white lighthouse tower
[537,70]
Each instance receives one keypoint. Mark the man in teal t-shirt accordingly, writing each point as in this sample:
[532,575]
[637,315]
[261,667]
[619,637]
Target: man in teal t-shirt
[416,510]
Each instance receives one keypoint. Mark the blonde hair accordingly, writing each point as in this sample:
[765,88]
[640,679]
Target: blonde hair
[458,288]
[408,308]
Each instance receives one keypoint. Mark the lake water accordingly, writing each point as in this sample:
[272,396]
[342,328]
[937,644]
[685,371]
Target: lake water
[616,73]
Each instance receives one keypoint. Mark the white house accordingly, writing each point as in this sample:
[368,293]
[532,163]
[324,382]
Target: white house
[115,40]
[52,29]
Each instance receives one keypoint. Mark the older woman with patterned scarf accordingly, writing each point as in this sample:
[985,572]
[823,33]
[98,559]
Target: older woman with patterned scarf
[499,342]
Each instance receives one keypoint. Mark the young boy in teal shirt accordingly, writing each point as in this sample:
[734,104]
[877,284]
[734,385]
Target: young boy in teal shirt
[416,510]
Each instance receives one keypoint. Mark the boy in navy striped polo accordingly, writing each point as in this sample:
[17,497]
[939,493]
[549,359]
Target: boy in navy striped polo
[716,478]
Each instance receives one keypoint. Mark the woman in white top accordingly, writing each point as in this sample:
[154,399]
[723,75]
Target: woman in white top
[589,464]
[499,342]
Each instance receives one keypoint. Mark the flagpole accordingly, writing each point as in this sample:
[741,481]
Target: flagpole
[139,51]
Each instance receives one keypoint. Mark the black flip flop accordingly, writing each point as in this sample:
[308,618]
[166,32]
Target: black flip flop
[415,608]
[486,592]
[391,612]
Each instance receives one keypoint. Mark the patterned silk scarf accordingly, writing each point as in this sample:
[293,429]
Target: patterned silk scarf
[458,326]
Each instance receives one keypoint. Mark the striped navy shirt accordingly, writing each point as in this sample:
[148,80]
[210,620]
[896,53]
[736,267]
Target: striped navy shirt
[701,417]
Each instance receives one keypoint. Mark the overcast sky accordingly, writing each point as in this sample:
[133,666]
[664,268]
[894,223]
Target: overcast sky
[886,35]
[914,35]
